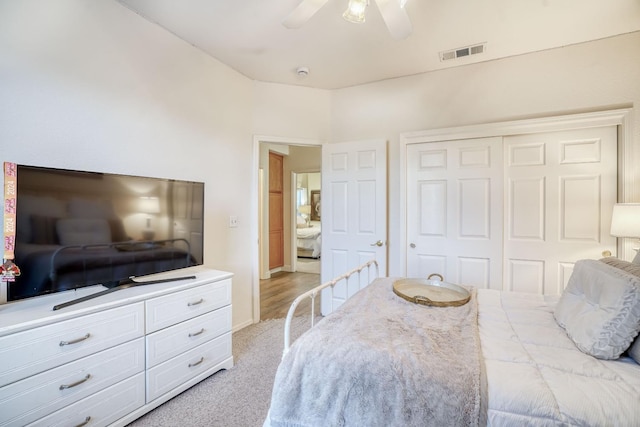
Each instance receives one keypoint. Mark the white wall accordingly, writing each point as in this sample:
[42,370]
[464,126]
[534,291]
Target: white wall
[592,76]
[91,85]
[291,111]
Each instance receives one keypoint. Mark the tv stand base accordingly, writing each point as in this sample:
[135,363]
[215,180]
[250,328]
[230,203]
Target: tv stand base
[123,284]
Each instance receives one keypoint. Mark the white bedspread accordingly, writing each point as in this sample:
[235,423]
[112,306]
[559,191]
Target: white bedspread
[537,376]
[308,232]
[310,238]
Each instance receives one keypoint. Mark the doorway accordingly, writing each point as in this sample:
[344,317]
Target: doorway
[308,226]
[298,157]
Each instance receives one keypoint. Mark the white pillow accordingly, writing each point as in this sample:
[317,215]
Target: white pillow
[83,231]
[301,222]
[600,309]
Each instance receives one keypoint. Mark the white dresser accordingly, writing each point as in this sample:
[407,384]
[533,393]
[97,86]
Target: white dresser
[111,359]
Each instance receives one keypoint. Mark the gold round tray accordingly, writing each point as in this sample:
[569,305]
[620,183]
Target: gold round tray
[430,291]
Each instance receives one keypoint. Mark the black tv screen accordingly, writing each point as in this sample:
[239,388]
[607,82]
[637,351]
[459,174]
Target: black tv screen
[76,229]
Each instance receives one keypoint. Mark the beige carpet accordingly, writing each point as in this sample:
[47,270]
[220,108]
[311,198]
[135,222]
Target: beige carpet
[238,397]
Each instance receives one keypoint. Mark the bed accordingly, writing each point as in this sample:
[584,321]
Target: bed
[64,244]
[50,268]
[501,359]
[309,240]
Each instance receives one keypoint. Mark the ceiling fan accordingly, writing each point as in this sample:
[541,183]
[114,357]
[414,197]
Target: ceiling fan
[393,13]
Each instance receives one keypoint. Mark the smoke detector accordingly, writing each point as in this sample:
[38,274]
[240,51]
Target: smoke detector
[302,71]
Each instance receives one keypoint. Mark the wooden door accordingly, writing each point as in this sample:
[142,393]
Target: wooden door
[354,213]
[560,189]
[454,211]
[276,211]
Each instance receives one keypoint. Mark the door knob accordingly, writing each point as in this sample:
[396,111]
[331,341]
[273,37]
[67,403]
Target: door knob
[413,245]
[378,243]
[606,253]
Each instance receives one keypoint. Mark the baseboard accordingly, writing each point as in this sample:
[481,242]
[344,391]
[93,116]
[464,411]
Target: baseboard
[243,325]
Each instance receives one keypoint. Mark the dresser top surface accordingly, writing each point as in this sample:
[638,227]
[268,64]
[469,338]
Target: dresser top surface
[34,312]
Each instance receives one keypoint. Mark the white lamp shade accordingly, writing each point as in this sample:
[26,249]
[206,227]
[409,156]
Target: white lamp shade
[305,209]
[625,221]
[149,205]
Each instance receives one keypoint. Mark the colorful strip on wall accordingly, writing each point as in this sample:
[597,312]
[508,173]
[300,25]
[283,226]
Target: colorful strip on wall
[8,270]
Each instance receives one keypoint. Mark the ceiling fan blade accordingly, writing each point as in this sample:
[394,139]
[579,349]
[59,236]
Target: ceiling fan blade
[396,18]
[301,14]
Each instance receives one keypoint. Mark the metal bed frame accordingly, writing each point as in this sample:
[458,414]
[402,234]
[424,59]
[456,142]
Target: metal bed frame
[312,293]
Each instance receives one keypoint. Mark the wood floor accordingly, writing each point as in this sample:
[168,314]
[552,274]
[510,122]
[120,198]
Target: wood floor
[277,294]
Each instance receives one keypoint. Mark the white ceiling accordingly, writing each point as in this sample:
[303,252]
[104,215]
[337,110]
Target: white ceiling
[248,36]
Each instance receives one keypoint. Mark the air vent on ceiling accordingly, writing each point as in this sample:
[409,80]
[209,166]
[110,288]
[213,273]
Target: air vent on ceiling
[462,51]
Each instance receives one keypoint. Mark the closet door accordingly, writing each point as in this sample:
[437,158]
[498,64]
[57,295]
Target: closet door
[454,211]
[560,188]
[555,191]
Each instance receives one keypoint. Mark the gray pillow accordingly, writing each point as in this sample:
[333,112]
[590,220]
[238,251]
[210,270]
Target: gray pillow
[621,264]
[29,205]
[634,350]
[600,309]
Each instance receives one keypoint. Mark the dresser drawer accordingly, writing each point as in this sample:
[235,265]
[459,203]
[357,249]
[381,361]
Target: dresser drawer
[168,310]
[100,409]
[40,395]
[26,353]
[169,342]
[174,372]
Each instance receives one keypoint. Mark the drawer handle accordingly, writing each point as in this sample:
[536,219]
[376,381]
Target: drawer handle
[191,365]
[191,304]
[195,334]
[66,386]
[85,422]
[77,340]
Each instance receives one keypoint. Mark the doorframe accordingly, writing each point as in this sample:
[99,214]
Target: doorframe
[628,154]
[255,207]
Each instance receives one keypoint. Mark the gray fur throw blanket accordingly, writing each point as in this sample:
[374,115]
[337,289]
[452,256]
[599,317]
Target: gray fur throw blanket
[382,361]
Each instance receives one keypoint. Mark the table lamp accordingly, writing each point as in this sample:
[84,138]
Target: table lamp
[625,221]
[305,212]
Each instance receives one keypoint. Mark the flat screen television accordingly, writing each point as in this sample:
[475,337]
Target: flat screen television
[77,228]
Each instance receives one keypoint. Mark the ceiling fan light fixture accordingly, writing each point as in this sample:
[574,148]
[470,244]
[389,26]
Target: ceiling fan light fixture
[355,11]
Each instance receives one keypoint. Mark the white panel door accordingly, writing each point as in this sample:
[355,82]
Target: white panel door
[454,211]
[354,214]
[560,188]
